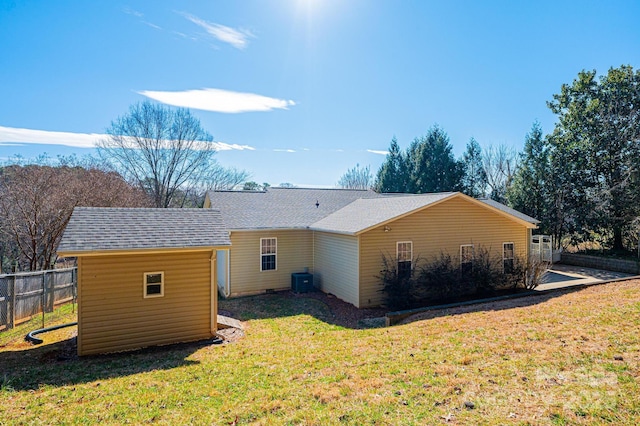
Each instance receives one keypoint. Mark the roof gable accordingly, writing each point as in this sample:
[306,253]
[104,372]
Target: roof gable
[96,229]
[365,214]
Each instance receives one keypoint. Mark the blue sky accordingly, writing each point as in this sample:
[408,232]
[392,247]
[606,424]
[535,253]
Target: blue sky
[300,90]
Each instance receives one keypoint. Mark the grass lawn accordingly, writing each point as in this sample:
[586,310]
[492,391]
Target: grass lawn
[571,357]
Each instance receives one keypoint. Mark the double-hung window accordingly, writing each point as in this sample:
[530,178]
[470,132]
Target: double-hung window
[153,284]
[508,257]
[466,258]
[404,254]
[268,253]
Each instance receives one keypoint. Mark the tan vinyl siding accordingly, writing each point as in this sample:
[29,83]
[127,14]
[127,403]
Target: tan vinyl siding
[113,315]
[294,253]
[336,265]
[440,228]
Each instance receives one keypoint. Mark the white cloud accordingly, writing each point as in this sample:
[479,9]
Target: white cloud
[284,150]
[237,38]
[218,100]
[133,12]
[222,146]
[79,140]
[152,25]
[373,151]
[15,136]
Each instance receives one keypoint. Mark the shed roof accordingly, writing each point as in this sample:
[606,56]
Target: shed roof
[364,214]
[281,208]
[108,229]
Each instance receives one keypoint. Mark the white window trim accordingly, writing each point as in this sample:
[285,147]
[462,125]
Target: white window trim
[270,254]
[513,253]
[513,250]
[145,284]
[472,253]
[410,251]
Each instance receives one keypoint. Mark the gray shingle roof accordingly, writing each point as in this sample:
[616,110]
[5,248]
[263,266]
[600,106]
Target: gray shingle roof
[366,213]
[93,229]
[281,208]
[509,210]
[338,210]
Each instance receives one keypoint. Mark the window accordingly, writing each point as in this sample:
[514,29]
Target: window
[404,254]
[268,251]
[466,258]
[153,283]
[507,257]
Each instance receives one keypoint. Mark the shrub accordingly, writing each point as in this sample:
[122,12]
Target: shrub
[399,288]
[443,279]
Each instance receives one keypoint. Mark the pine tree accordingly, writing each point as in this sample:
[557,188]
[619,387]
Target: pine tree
[474,181]
[432,166]
[392,176]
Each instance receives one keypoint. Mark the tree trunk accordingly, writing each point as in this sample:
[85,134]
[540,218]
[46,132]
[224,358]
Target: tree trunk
[617,239]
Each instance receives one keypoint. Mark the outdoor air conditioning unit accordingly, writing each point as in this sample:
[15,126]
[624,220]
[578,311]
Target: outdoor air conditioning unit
[301,282]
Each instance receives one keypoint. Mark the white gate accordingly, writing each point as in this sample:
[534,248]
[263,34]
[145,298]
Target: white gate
[542,247]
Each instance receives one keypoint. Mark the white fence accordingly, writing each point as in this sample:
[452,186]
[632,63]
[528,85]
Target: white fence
[26,294]
[542,248]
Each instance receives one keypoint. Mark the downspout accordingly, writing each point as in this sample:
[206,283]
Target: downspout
[313,251]
[213,293]
[227,275]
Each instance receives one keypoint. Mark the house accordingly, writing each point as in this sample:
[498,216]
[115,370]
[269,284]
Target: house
[145,276]
[341,235]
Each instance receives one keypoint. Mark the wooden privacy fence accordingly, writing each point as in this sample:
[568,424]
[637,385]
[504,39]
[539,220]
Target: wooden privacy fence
[25,294]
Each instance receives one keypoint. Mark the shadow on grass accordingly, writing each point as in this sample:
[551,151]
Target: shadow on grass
[333,311]
[521,300]
[56,364]
[326,308]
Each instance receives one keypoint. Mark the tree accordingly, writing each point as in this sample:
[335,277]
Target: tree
[598,129]
[286,185]
[528,193]
[393,173]
[251,186]
[36,202]
[161,150]
[357,178]
[431,165]
[216,178]
[474,181]
[500,164]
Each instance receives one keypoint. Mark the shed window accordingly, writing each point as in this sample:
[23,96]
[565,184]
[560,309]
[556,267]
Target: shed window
[508,257]
[404,254]
[466,258]
[268,252]
[153,283]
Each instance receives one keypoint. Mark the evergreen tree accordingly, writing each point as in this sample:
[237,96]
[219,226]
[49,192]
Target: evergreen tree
[392,175]
[528,193]
[432,166]
[474,181]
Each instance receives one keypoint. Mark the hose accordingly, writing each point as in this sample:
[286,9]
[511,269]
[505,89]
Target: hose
[36,341]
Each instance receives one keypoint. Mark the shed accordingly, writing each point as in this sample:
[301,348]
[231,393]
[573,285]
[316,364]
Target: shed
[145,276]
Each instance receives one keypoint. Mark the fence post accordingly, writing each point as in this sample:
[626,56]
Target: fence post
[44,295]
[11,307]
[51,291]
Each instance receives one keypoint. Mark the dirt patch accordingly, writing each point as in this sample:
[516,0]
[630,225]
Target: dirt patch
[230,335]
